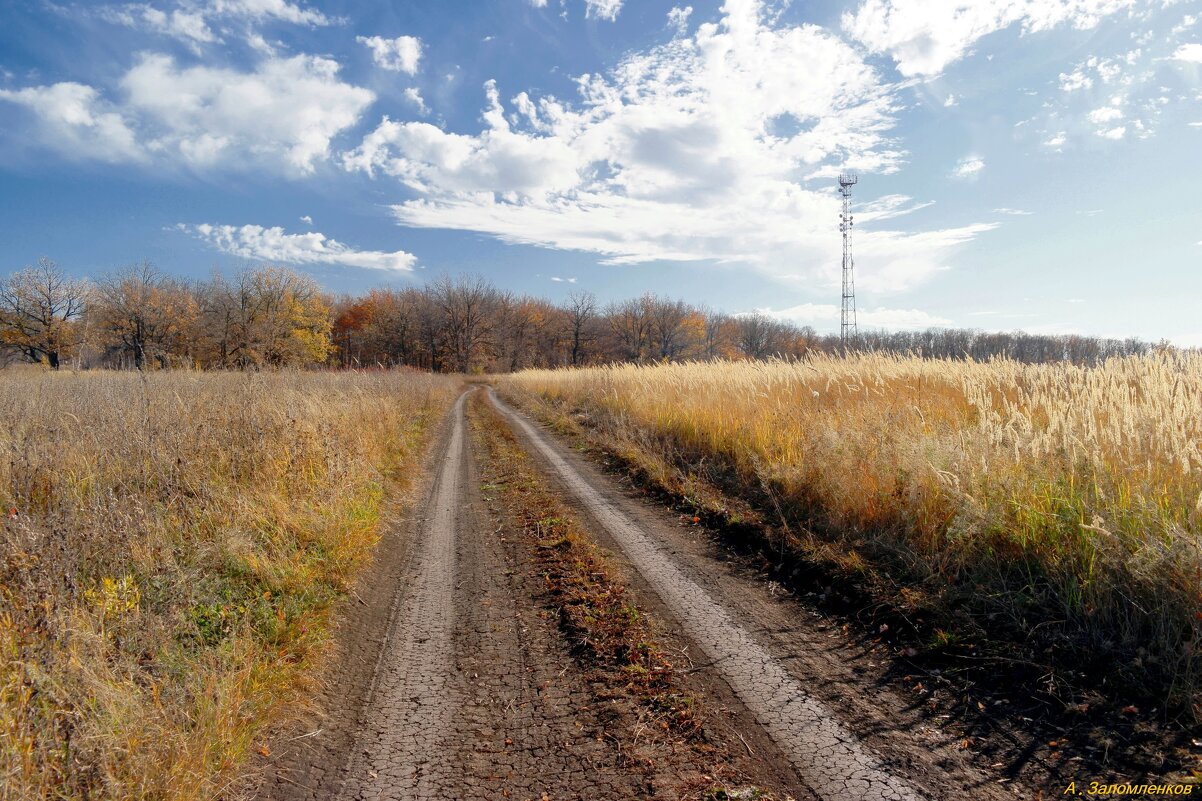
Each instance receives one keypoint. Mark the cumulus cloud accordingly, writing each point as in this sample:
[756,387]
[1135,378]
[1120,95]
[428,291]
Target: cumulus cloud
[703,148]
[1190,53]
[257,243]
[282,114]
[968,167]
[1117,132]
[923,37]
[74,119]
[287,109]
[401,54]
[826,313]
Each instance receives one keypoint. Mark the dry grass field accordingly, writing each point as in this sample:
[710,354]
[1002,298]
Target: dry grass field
[1052,505]
[172,545]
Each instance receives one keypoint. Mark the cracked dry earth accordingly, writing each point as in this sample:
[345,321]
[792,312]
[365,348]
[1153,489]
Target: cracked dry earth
[454,683]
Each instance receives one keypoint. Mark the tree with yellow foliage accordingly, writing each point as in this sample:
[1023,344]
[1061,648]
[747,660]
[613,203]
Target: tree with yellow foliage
[267,317]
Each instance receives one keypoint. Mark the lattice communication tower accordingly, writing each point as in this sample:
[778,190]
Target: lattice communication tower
[847,320]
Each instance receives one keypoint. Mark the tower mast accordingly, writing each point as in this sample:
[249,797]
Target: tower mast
[848,331]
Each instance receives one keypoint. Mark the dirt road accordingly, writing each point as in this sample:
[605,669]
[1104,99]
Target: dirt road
[830,759]
[471,691]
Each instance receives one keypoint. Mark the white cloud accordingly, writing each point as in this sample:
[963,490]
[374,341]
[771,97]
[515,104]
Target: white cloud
[951,101]
[1126,85]
[73,119]
[678,19]
[559,280]
[187,25]
[603,9]
[1196,124]
[401,54]
[193,22]
[257,243]
[306,219]
[1108,70]
[538,3]
[1105,114]
[888,207]
[260,10]
[1190,53]
[282,115]
[968,167]
[698,149]
[260,44]
[414,96]
[923,37]
[286,111]
[827,313]
[428,159]
[1013,212]
[1077,79]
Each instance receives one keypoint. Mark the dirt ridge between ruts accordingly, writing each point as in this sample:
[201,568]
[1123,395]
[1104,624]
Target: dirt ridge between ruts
[831,760]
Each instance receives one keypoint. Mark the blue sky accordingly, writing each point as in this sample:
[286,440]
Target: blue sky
[1029,164]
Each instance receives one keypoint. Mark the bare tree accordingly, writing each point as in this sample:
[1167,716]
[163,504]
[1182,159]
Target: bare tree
[143,315]
[582,311]
[715,333]
[759,335]
[39,309]
[469,306]
[630,327]
[669,330]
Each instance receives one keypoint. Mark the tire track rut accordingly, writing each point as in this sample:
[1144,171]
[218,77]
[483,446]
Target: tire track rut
[402,748]
[830,759]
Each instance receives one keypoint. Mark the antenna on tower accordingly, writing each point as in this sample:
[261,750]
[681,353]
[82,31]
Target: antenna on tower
[848,332]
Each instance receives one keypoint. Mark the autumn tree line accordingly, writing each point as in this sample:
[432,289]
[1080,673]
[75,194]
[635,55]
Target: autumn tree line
[268,317]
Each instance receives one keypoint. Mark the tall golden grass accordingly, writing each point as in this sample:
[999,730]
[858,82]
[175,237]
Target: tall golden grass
[172,544]
[1061,504]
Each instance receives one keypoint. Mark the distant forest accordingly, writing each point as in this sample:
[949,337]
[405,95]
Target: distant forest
[140,318]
